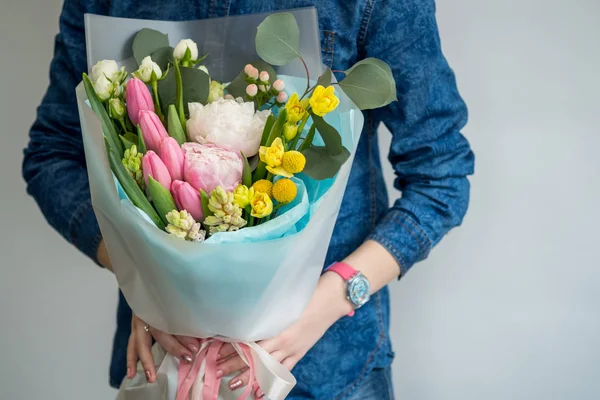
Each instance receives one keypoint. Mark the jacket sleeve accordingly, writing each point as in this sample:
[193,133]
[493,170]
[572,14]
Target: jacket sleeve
[430,157]
[54,162]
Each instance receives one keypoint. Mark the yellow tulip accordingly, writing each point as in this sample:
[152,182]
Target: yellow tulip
[290,131]
[296,109]
[262,205]
[241,196]
[323,100]
[273,157]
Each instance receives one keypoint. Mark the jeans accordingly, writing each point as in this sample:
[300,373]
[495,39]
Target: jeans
[377,386]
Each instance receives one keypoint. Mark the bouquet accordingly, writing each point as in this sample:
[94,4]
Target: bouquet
[217,198]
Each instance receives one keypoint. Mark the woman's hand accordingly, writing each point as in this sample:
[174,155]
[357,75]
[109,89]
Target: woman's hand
[327,305]
[140,346]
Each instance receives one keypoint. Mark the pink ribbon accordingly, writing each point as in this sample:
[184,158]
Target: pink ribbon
[188,373]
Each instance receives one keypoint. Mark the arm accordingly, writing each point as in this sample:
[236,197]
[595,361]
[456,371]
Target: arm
[429,155]
[54,163]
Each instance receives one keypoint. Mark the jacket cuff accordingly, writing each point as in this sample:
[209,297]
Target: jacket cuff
[401,235]
[84,230]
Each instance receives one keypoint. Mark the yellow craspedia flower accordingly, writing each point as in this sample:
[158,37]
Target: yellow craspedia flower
[323,100]
[296,108]
[263,186]
[241,196]
[289,131]
[285,191]
[294,162]
[262,205]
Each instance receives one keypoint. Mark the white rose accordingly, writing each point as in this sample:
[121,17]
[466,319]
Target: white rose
[182,46]
[104,88]
[227,123]
[148,66]
[105,68]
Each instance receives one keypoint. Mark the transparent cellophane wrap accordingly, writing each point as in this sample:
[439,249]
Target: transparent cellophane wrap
[239,286]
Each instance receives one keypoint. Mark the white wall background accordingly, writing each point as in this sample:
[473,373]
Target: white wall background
[505,308]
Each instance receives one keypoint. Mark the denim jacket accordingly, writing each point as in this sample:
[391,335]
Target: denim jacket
[429,155]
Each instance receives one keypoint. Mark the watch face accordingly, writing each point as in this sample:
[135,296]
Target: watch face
[359,290]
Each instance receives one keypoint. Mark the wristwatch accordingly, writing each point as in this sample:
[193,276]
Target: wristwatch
[358,289]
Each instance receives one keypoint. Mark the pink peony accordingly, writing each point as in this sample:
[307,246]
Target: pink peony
[206,167]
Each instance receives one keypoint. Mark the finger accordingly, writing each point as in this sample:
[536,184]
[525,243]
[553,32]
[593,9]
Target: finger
[240,381]
[172,345]
[132,357]
[289,363]
[279,355]
[259,394]
[230,365]
[270,345]
[226,351]
[191,343]
[143,342]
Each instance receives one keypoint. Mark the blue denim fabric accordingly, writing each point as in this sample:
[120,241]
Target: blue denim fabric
[428,153]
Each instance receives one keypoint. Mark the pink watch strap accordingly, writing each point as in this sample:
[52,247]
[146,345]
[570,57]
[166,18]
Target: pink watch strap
[346,272]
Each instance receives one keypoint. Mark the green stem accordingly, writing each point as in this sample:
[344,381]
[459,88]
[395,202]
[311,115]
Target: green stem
[300,129]
[122,123]
[309,139]
[250,221]
[269,177]
[307,76]
[179,95]
[157,101]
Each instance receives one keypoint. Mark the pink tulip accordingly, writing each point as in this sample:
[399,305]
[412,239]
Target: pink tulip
[206,167]
[138,98]
[153,130]
[153,166]
[187,198]
[171,154]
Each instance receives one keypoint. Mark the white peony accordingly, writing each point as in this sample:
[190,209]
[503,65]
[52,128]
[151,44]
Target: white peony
[105,69]
[104,88]
[144,73]
[182,46]
[227,123]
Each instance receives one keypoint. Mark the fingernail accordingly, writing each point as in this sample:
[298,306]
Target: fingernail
[187,358]
[148,376]
[260,394]
[219,373]
[128,372]
[193,348]
[235,385]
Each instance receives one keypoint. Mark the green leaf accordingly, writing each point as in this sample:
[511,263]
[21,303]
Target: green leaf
[267,129]
[108,126]
[308,139]
[196,86]
[133,191]
[126,142]
[163,57]
[325,79]
[141,144]
[320,164]
[204,202]
[131,137]
[330,135]
[369,84]
[175,129]
[278,39]
[247,173]
[146,42]
[162,199]
[237,87]
[277,128]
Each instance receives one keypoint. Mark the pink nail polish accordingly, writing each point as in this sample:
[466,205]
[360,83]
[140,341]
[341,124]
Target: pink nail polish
[235,385]
[187,358]
[219,373]
[259,394]
[193,348]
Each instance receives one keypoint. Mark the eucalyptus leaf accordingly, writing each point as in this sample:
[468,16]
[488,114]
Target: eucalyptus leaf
[278,39]
[325,79]
[163,57]
[330,135]
[369,84]
[146,42]
[237,87]
[196,86]
[320,164]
